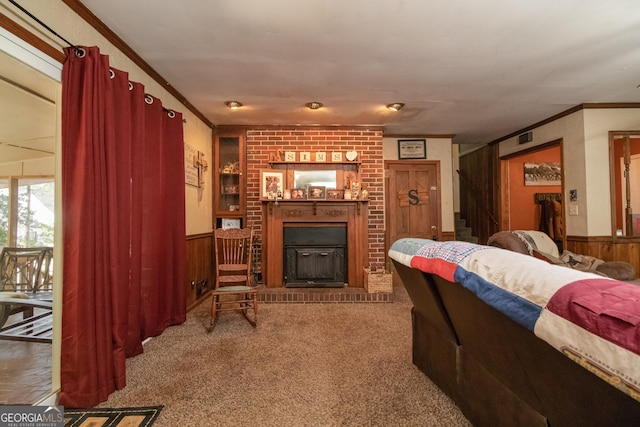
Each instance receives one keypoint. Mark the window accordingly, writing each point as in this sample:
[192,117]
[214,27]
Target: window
[27,218]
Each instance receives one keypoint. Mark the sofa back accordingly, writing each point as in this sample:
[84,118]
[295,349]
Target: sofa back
[510,332]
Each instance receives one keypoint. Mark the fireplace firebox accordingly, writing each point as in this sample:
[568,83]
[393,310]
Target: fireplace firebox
[315,256]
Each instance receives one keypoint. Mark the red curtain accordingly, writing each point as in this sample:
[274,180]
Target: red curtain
[123,225]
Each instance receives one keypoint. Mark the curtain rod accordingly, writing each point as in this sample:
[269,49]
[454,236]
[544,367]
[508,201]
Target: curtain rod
[32,16]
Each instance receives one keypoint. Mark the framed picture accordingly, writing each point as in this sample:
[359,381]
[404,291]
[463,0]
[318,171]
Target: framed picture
[271,184]
[544,174]
[298,193]
[412,149]
[316,192]
[191,171]
[355,186]
[334,195]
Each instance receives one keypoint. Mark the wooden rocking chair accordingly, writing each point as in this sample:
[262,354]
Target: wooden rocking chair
[233,290]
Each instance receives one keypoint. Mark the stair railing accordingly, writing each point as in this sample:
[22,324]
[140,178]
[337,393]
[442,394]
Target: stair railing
[474,192]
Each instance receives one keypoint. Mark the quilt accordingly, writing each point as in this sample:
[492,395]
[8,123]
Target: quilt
[593,320]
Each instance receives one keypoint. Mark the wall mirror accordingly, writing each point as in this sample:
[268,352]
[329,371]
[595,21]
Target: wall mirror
[624,158]
[325,178]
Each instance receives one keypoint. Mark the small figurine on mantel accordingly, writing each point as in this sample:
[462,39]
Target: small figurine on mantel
[277,156]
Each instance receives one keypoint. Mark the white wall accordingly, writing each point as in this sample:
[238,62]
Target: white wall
[455,166]
[198,201]
[440,149]
[598,123]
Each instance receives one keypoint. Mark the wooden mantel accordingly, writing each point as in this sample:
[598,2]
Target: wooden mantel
[276,216]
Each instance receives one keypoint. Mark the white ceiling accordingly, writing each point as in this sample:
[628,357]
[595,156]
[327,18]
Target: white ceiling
[476,69]
[27,112]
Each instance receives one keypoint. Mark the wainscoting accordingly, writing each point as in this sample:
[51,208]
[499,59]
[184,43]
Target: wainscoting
[605,248]
[199,276]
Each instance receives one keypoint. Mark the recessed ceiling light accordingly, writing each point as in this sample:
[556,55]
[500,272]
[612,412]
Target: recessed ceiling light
[234,105]
[314,105]
[396,106]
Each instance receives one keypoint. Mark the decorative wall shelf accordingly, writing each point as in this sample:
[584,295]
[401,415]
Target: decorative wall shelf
[356,163]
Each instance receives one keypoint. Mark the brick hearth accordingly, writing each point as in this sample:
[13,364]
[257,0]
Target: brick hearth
[320,295]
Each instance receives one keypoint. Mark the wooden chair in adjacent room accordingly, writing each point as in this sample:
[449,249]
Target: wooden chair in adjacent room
[233,288]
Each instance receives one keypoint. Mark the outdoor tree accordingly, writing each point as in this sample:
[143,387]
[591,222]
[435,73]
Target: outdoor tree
[31,231]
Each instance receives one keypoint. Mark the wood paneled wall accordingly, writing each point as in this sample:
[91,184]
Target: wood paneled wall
[603,247]
[199,274]
[480,192]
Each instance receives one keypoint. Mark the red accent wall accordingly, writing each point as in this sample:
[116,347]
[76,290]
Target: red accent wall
[263,142]
[525,213]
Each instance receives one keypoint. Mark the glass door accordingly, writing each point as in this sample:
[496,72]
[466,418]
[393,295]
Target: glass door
[230,188]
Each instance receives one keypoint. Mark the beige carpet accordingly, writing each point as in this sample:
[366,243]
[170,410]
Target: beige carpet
[345,364]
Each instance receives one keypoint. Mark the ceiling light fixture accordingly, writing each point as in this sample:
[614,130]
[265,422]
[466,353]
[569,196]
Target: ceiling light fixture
[314,105]
[234,105]
[396,106]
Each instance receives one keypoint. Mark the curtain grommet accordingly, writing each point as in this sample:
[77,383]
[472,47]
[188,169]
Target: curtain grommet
[112,74]
[148,99]
[80,52]
[130,86]
[171,113]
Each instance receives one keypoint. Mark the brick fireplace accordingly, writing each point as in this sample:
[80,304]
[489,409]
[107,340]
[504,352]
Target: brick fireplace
[263,142]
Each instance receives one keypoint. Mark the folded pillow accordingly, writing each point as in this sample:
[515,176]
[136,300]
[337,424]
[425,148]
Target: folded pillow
[507,240]
[537,240]
[580,262]
[617,270]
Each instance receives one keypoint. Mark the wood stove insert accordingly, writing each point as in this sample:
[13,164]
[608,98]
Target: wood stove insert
[315,256]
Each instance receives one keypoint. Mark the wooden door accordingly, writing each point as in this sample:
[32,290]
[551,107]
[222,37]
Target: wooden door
[413,200]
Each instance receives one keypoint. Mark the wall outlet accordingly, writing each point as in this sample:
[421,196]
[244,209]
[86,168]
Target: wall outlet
[573,210]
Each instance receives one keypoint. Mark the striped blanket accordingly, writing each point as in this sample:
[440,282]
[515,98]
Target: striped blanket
[593,320]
